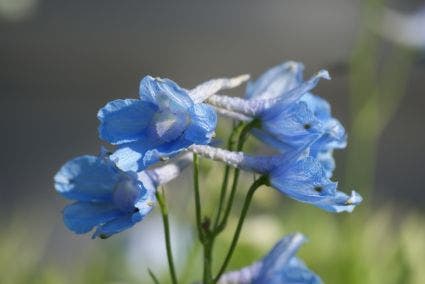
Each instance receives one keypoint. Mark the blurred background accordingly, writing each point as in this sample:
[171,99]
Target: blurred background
[63,60]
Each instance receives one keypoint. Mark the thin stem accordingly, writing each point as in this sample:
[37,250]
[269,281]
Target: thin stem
[263,180]
[242,139]
[164,211]
[230,145]
[152,275]
[208,245]
[197,197]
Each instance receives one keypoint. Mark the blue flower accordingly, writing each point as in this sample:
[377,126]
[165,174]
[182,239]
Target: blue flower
[106,198]
[285,122]
[280,266]
[289,116]
[164,121]
[294,173]
[304,179]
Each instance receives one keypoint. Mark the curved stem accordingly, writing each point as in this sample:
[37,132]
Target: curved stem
[224,185]
[242,139]
[164,212]
[263,180]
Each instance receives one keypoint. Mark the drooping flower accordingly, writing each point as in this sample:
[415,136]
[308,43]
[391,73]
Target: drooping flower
[165,120]
[290,116]
[107,198]
[285,122]
[279,266]
[295,174]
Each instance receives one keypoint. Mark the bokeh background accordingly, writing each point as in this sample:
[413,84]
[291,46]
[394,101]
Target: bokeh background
[63,60]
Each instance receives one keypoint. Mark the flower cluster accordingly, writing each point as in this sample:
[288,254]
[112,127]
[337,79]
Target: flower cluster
[114,191]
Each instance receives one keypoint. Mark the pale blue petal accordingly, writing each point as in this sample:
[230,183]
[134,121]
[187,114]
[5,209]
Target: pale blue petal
[87,178]
[292,127]
[306,181]
[276,81]
[114,226]
[202,125]
[123,121]
[165,151]
[129,157]
[281,265]
[164,93]
[288,98]
[296,272]
[81,217]
[168,126]
[319,106]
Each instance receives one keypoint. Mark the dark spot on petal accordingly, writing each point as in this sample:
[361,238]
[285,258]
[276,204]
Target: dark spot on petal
[135,210]
[307,126]
[103,236]
[318,189]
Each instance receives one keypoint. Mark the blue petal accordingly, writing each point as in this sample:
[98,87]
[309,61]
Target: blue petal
[164,93]
[202,125]
[87,178]
[81,217]
[129,157]
[306,181]
[114,226]
[288,98]
[123,121]
[319,106]
[165,151]
[296,272]
[276,81]
[281,265]
[292,127]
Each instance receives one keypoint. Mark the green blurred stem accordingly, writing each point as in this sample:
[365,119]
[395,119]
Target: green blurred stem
[230,145]
[164,211]
[152,275]
[263,180]
[241,141]
[374,98]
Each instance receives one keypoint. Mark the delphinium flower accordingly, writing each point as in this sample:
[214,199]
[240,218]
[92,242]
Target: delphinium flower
[163,121]
[294,173]
[279,266]
[288,115]
[107,198]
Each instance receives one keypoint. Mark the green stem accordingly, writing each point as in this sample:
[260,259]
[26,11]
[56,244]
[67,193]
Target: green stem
[224,185]
[152,275]
[197,198]
[242,139]
[208,245]
[263,180]
[164,211]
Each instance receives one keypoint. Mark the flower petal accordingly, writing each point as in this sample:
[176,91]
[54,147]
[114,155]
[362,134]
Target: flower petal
[87,178]
[202,125]
[81,217]
[290,128]
[123,121]
[306,181]
[281,265]
[276,81]
[164,93]
[114,226]
[129,157]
